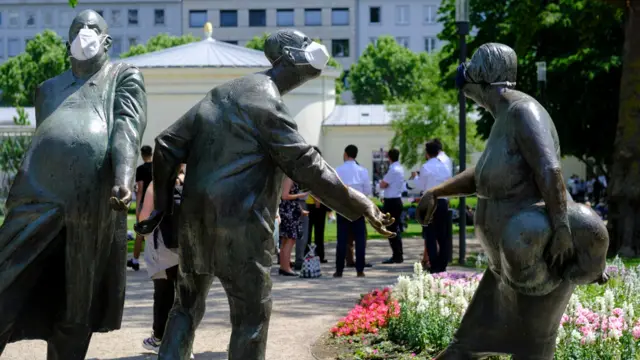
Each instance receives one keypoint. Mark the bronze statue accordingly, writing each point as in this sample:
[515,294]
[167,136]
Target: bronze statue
[238,143]
[540,244]
[62,246]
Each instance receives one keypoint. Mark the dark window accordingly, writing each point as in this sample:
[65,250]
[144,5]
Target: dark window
[100,12]
[197,18]
[284,17]
[233,42]
[339,16]
[340,48]
[374,15]
[228,18]
[313,17]
[133,16]
[158,17]
[257,17]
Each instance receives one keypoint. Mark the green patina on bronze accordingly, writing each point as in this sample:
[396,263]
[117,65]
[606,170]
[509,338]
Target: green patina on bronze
[238,143]
[62,245]
[540,243]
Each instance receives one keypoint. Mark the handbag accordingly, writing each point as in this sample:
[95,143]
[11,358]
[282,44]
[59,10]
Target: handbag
[311,264]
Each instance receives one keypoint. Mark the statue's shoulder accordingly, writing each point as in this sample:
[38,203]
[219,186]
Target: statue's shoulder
[123,68]
[260,85]
[62,79]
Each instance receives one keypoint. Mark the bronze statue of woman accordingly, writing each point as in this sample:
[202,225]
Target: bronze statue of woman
[539,242]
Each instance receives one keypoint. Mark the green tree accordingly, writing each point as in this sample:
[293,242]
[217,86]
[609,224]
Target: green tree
[45,57]
[257,43]
[159,42]
[581,42]
[13,147]
[385,72]
[73,3]
[431,114]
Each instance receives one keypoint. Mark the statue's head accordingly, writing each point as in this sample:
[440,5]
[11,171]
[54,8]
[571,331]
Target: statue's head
[492,66]
[88,38]
[297,58]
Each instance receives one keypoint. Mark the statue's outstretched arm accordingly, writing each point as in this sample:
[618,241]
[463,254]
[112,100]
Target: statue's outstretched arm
[537,146]
[129,123]
[463,184]
[278,133]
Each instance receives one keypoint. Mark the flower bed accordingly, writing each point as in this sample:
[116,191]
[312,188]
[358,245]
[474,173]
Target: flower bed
[420,317]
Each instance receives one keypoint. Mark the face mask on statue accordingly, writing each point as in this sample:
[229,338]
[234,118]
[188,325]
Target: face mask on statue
[463,78]
[314,54]
[86,45]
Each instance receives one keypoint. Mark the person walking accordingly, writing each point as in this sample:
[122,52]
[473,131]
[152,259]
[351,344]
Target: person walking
[356,177]
[161,258]
[393,186]
[438,245]
[144,175]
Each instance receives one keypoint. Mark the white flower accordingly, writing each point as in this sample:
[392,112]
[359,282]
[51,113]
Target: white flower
[423,306]
[575,335]
[445,311]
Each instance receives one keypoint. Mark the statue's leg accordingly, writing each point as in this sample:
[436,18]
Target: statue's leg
[453,352]
[186,314]
[69,342]
[249,292]
[524,239]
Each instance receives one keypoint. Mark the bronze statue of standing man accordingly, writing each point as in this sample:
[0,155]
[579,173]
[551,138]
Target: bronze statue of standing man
[540,244]
[62,246]
[238,143]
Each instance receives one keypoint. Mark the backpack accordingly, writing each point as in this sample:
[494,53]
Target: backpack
[168,226]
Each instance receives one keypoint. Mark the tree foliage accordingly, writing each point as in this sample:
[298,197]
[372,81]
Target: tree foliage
[257,43]
[45,57]
[387,71]
[581,42]
[432,113]
[13,148]
[159,42]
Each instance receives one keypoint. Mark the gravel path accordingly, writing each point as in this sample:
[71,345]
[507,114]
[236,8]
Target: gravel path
[303,310]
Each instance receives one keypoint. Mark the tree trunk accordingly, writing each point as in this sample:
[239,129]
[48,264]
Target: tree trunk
[624,187]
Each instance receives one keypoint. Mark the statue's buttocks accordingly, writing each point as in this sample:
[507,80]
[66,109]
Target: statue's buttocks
[70,147]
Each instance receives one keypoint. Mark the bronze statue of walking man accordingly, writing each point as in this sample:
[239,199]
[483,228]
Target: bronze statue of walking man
[540,244]
[62,246]
[238,143]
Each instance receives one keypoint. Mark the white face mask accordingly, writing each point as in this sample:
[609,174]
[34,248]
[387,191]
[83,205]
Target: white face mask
[86,44]
[317,55]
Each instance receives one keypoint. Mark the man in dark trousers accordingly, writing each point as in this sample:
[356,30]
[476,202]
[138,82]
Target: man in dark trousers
[393,186]
[317,221]
[355,177]
[238,143]
[62,246]
[143,178]
[438,244]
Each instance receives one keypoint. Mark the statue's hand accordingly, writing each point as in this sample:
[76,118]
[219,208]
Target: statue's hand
[561,247]
[426,208]
[120,198]
[379,220]
[146,227]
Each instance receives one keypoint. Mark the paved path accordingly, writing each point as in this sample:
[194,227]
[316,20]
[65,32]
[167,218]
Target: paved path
[303,310]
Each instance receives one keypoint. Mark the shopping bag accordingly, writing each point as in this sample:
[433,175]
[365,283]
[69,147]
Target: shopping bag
[311,264]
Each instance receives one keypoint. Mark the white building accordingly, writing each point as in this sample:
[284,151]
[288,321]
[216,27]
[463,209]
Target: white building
[130,23]
[413,23]
[177,78]
[238,21]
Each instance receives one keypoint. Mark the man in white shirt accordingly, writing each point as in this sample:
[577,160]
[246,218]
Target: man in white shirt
[433,173]
[393,186]
[357,177]
[442,156]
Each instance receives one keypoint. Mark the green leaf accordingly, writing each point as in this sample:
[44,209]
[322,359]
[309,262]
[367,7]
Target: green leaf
[73,3]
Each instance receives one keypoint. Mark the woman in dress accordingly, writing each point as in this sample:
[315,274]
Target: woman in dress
[290,223]
[540,243]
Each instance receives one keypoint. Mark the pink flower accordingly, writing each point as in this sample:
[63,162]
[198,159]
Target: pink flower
[636,332]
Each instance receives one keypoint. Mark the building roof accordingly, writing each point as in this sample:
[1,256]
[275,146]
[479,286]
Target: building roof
[359,115]
[8,113]
[368,115]
[205,53]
